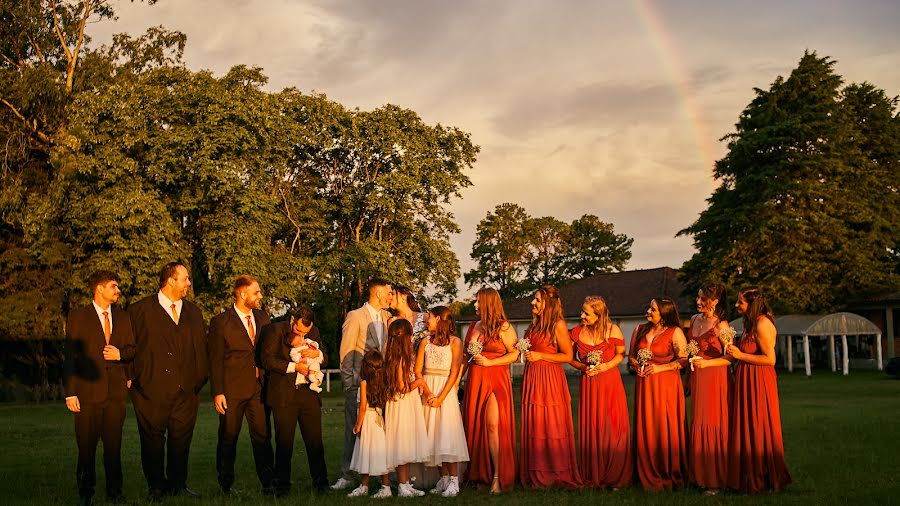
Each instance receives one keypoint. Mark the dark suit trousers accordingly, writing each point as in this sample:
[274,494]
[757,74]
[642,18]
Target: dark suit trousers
[176,415]
[260,440]
[305,410]
[96,422]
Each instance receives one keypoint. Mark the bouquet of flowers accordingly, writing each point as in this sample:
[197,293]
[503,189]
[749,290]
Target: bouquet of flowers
[474,348]
[727,335]
[644,356]
[594,358]
[523,345]
[693,349]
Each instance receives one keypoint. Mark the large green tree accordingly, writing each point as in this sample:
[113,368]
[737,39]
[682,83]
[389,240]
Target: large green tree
[807,204]
[517,253]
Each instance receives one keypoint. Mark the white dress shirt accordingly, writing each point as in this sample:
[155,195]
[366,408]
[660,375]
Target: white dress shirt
[167,305]
[100,312]
[376,317]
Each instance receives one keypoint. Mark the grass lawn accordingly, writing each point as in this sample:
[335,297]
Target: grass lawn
[842,437]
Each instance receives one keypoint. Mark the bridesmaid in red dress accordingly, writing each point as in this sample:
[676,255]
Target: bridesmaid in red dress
[711,384]
[488,413]
[547,457]
[659,423]
[604,444]
[756,448]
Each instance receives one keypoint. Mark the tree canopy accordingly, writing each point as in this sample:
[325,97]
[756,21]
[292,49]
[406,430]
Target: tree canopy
[516,253]
[807,203]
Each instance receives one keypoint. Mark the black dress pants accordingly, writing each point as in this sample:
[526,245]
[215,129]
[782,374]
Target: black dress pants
[305,410]
[260,440]
[174,416]
[99,422]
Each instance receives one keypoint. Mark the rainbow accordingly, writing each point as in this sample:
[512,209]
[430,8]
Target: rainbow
[662,41]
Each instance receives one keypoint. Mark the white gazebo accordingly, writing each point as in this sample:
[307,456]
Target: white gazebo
[830,326]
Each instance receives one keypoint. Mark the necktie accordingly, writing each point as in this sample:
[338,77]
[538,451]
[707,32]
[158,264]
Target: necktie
[107,327]
[252,333]
[251,330]
[174,314]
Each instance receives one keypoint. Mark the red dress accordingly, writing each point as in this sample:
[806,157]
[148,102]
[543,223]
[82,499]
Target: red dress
[547,457]
[710,402]
[756,448]
[659,423]
[482,382]
[604,444]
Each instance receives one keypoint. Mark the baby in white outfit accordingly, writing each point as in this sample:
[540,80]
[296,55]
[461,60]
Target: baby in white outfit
[315,375]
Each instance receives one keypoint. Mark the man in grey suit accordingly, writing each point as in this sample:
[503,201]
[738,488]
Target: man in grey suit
[364,329]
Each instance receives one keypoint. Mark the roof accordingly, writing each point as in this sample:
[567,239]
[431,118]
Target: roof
[835,324]
[627,293]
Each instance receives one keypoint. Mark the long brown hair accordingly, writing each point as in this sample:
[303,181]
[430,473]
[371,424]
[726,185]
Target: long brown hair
[445,325]
[668,316]
[398,363]
[757,306]
[599,307]
[490,309]
[372,372]
[552,312]
[410,298]
[716,291]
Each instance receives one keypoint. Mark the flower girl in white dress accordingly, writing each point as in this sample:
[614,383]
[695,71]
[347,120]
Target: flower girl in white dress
[370,452]
[439,364]
[407,439]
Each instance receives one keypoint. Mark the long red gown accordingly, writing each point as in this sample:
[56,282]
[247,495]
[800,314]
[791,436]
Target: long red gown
[482,382]
[711,389]
[659,422]
[756,448]
[547,457]
[604,444]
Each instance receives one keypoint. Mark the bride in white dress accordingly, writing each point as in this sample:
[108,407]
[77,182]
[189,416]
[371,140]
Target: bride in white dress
[438,364]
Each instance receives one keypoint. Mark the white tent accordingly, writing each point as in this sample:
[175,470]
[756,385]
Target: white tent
[830,326]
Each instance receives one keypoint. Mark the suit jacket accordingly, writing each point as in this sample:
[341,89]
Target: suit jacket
[276,355]
[358,336]
[169,357]
[87,374]
[232,356]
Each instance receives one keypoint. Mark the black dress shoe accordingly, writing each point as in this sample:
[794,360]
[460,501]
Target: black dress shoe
[84,501]
[156,496]
[116,498]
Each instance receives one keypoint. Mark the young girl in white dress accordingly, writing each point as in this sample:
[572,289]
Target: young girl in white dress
[407,439]
[370,452]
[439,364]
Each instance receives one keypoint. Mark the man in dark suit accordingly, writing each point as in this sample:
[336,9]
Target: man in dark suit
[169,369]
[293,404]
[99,341]
[237,383]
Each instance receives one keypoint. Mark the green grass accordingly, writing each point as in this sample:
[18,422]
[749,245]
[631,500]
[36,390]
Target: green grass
[841,436]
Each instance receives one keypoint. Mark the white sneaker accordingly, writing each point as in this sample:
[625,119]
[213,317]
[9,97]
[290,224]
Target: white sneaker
[342,484]
[407,490]
[440,486]
[452,487]
[360,491]
[383,493]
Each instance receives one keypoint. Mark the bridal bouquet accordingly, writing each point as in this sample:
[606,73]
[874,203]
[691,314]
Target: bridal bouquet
[644,356]
[594,358]
[693,349]
[474,348]
[418,337]
[523,345]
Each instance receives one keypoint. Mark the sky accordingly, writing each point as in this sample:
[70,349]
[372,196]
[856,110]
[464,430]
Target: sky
[613,108]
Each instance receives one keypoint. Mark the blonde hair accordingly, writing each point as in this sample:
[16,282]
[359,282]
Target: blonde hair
[599,307]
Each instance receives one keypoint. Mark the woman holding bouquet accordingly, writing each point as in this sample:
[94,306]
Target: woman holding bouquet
[488,414]
[756,448]
[711,384]
[547,458]
[658,352]
[604,444]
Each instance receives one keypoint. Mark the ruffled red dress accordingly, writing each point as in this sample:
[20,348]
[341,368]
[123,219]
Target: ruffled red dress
[604,443]
[756,448]
[659,422]
[547,457]
[711,389]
